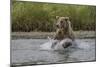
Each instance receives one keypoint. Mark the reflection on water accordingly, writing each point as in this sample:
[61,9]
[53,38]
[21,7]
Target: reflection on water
[27,52]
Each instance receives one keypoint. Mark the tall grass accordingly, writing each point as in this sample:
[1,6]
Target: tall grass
[29,16]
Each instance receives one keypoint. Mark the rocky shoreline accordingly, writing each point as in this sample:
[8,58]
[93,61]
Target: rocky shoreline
[44,35]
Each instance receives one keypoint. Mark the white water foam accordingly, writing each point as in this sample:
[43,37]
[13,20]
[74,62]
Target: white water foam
[47,45]
[58,45]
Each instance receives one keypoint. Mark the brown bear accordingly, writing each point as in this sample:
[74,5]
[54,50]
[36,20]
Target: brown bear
[63,29]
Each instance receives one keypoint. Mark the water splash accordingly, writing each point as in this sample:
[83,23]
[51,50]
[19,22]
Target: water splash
[57,44]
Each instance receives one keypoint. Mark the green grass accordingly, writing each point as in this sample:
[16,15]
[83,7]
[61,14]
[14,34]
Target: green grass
[33,16]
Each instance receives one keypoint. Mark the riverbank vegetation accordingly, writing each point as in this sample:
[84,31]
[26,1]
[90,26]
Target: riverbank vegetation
[35,16]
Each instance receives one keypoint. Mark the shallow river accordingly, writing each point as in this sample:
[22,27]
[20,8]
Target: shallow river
[28,52]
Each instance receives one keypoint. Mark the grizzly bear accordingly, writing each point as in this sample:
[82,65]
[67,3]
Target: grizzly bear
[63,29]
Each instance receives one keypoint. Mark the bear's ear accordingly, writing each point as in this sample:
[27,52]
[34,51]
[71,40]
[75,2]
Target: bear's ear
[57,17]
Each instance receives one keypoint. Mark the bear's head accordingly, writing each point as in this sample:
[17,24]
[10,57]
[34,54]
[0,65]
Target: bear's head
[62,22]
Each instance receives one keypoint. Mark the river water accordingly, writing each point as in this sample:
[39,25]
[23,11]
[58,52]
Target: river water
[28,52]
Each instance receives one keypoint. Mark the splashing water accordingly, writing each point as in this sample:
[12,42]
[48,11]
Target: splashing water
[57,44]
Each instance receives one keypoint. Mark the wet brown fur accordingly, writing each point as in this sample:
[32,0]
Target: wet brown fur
[64,29]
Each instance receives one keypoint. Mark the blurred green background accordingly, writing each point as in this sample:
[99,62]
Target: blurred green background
[35,16]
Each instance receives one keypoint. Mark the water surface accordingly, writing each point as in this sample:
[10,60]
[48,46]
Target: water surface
[28,52]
